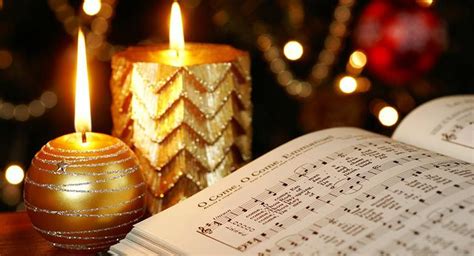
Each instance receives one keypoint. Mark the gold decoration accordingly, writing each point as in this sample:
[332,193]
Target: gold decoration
[188,118]
[84,197]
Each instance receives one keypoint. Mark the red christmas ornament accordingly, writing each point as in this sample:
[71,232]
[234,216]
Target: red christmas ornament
[402,40]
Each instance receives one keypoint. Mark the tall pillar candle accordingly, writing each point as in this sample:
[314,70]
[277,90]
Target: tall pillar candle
[187,115]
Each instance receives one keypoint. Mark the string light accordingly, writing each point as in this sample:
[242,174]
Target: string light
[6,110]
[363,84]
[20,112]
[99,25]
[293,50]
[347,84]
[388,116]
[357,59]
[425,3]
[23,112]
[14,174]
[91,7]
[36,108]
[352,82]
[326,58]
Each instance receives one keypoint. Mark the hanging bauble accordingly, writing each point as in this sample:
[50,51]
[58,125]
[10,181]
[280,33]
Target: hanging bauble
[402,40]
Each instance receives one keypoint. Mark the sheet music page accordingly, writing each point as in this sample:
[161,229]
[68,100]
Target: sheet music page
[444,125]
[334,192]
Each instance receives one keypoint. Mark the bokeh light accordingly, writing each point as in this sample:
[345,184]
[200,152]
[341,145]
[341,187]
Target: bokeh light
[6,110]
[363,84]
[91,7]
[36,108]
[388,116]
[14,174]
[49,99]
[358,59]
[11,195]
[6,59]
[347,84]
[21,113]
[293,50]
[425,3]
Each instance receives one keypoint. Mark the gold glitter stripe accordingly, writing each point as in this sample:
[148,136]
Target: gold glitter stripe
[75,151]
[71,164]
[210,87]
[66,212]
[69,173]
[51,233]
[82,215]
[160,156]
[157,85]
[217,82]
[61,187]
[193,94]
[86,158]
[91,237]
[209,130]
[91,246]
[208,116]
[98,181]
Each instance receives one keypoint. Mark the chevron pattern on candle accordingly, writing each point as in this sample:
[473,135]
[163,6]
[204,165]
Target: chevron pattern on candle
[189,125]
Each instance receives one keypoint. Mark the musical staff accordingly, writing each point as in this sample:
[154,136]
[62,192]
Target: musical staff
[390,183]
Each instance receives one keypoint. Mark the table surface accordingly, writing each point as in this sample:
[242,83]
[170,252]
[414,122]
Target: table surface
[17,237]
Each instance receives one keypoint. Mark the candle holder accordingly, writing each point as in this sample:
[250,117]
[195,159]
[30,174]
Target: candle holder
[188,118]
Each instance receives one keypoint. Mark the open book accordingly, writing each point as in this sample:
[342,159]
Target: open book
[338,191]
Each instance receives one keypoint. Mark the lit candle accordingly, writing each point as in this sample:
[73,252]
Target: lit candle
[82,115]
[176,29]
[84,190]
[186,109]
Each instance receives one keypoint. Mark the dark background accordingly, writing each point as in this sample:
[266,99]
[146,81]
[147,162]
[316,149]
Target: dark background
[44,59]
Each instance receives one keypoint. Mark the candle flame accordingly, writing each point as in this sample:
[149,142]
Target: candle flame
[82,117]
[176,28]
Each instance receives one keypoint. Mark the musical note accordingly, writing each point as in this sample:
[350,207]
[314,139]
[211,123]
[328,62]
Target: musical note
[408,182]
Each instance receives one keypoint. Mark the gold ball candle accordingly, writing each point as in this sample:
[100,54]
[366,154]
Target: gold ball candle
[84,191]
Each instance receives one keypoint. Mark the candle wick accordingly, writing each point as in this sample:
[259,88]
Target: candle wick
[84,137]
[177,52]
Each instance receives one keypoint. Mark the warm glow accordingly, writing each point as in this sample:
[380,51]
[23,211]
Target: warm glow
[358,60]
[14,174]
[91,7]
[363,84]
[425,3]
[347,84]
[82,117]
[293,50]
[176,28]
[388,116]
[6,59]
